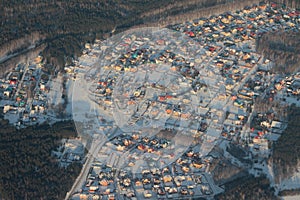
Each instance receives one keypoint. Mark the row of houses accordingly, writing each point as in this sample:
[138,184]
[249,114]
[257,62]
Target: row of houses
[221,80]
[241,25]
[24,93]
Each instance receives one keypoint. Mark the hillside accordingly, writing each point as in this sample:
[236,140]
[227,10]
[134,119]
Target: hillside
[64,26]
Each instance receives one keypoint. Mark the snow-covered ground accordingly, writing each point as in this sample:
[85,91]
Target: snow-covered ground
[55,94]
[291,99]
[296,197]
[262,167]
[6,102]
[291,183]
[12,116]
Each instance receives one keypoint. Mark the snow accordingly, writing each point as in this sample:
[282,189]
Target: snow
[292,100]
[70,87]
[291,183]
[55,94]
[12,117]
[213,132]
[273,136]
[296,197]
[6,102]
[223,145]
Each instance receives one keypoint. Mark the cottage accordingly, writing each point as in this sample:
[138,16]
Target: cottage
[7,93]
[147,194]
[6,108]
[13,82]
[276,125]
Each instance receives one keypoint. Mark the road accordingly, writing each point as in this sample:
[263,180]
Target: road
[22,79]
[95,147]
[7,57]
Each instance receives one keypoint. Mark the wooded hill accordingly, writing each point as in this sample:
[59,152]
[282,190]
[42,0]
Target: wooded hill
[66,25]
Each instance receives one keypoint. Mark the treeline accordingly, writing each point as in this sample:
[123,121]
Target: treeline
[291,192]
[290,3]
[27,56]
[248,187]
[66,25]
[286,155]
[27,169]
[19,44]
[283,48]
[204,9]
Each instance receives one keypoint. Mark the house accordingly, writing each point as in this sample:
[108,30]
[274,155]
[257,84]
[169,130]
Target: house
[147,194]
[7,93]
[120,148]
[69,69]
[38,59]
[43,87]
[6,108]
[276,125]
[13,82]
[265,124]
[167,178]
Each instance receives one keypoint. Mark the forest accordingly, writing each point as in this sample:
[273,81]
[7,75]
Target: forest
[27,169]
[289,3]
[67,24]
[64,26]
[283,48]
[286,155]
[248,187]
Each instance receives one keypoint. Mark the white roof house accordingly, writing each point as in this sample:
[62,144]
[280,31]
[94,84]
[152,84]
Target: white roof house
[276,124]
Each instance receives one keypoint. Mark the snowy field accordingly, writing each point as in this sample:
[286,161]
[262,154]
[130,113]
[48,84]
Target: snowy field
[55,94]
